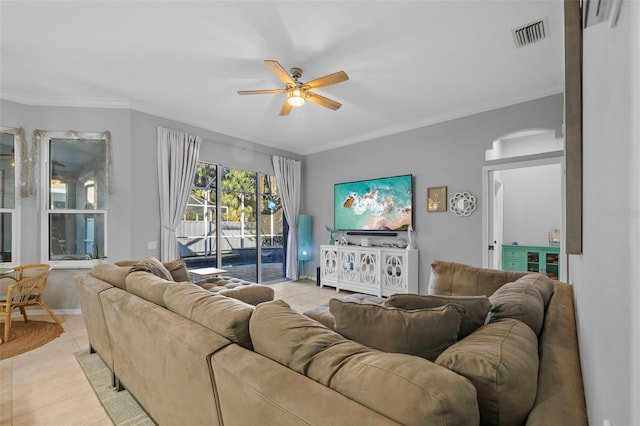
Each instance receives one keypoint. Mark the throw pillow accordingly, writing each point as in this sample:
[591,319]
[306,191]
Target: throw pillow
[153,265]
[542,283]
[501,360]
[421,332]
[476,308]
[178,270]
[518,300]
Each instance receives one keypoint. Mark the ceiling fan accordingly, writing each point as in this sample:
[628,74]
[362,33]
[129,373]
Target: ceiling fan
[56,178]
[298,92]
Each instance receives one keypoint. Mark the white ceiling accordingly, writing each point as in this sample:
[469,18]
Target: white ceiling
[410,63]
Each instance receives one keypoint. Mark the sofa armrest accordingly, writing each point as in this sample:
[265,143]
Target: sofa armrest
[162,359]
[560,398]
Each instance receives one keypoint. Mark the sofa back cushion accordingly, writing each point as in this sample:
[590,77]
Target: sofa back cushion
[226,316]
[518,300]
[501,360]
[250,293]
[457,279]
[112,274]
[178,270]
[542,283]
[412,391]
[148,286]
[476,308]
[421,332]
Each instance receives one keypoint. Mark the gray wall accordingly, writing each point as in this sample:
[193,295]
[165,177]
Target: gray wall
[134,215]
[449,153]
[605,277]
[60,294]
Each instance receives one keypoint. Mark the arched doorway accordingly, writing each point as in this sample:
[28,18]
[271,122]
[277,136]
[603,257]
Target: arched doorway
[523,183]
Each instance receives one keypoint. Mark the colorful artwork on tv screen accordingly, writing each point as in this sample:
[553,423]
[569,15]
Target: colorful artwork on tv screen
[383,204]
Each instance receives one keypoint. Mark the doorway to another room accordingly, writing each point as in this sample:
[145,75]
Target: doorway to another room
[523,218]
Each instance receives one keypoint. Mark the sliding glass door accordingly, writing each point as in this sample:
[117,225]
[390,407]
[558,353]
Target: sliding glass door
[272,226]
[234,221]
[238,245]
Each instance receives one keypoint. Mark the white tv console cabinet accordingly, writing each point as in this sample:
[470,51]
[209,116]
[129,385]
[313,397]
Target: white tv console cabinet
[379,271]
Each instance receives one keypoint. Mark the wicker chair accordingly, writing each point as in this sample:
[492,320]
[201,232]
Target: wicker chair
[26,289]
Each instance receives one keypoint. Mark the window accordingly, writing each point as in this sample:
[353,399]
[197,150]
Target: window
[10,143]
[75,195]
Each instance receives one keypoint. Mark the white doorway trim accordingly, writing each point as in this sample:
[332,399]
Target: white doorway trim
[518,163]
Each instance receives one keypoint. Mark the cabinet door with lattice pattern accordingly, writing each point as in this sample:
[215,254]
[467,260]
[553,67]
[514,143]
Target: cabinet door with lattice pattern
[329,265]
[394,272]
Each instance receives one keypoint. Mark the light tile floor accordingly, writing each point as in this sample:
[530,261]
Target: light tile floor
[46,386]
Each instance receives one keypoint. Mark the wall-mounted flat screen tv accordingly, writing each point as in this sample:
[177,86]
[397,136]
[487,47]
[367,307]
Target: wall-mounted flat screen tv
[384,204]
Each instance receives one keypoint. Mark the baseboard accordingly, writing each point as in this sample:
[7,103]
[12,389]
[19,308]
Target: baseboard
[17,314]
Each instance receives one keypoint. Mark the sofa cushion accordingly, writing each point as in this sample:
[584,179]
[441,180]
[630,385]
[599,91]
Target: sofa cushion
[303,339]
[417,392]
[227,317]
[153,265]
[518,300]
[542,283]
[114,275]
[148,286]
[501,360]
[249,293]
[457,279]
[322,314]
[421,332]
[178,270]
[476,308]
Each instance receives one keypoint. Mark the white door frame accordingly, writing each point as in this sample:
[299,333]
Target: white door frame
[518,163]
[495,255]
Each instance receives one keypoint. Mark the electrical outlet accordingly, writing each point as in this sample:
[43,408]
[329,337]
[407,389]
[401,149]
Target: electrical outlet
[607,422]
[152,245]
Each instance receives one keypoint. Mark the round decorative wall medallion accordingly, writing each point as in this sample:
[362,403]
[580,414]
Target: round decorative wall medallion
[463,204]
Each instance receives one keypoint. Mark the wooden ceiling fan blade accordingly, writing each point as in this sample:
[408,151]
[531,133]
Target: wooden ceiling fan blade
[280,72]
[286,108]
[325,102]
[328,80]
[261,92]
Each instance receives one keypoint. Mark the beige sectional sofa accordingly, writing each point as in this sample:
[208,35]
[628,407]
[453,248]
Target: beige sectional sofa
[190,356]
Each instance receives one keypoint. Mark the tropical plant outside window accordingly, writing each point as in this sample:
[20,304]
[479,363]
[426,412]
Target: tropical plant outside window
[226,235]
[76,198]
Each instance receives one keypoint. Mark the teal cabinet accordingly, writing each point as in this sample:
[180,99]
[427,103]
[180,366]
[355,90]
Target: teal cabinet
[542,259]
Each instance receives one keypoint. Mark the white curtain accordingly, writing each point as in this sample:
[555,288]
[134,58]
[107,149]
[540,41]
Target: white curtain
[177,163]
[289,179]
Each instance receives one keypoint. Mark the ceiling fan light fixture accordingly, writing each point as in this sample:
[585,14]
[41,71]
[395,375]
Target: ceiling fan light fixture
[295,97]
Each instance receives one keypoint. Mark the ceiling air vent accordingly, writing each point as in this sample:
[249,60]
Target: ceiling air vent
[531,33]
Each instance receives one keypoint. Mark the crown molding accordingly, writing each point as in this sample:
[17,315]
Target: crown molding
[65,101]
[440,118]
[59,101]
